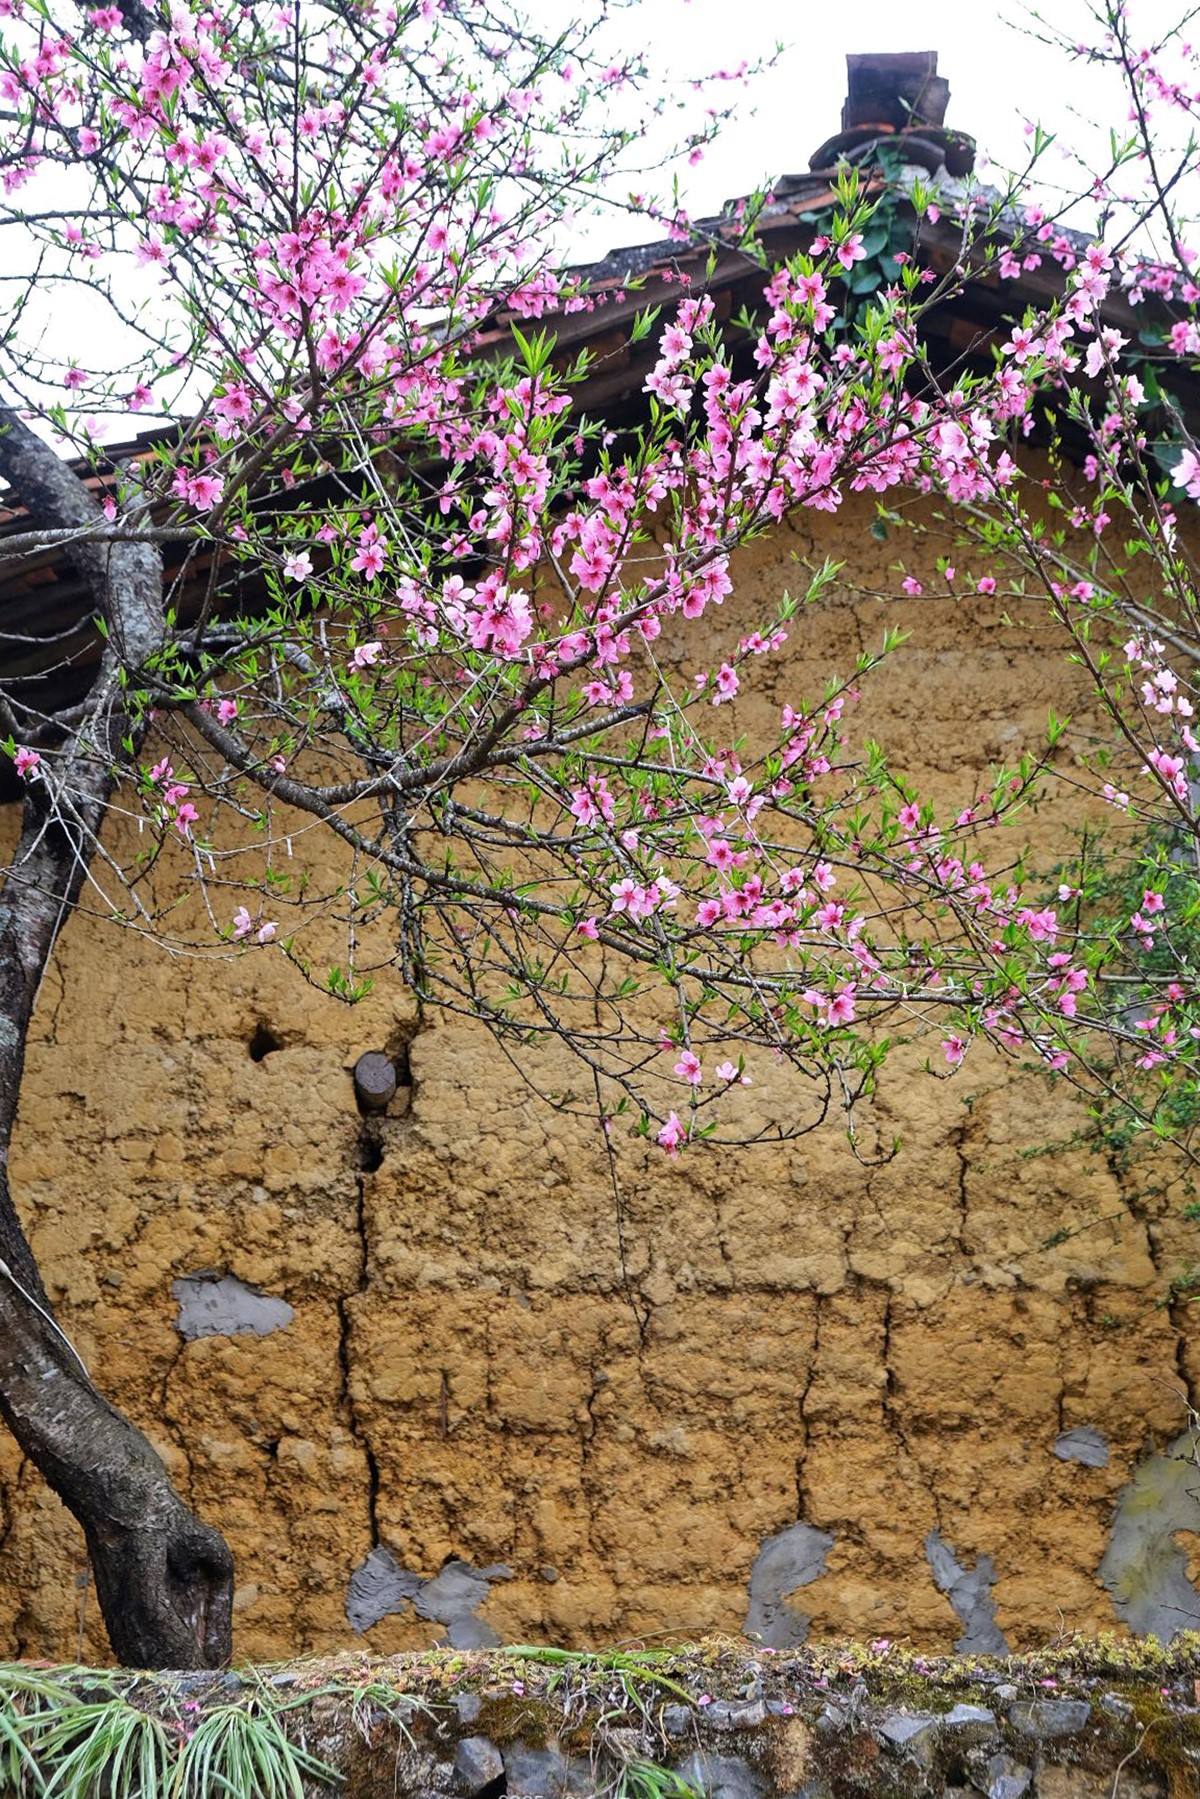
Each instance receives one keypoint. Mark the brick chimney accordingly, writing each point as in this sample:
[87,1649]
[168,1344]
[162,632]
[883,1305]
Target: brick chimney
[897,99]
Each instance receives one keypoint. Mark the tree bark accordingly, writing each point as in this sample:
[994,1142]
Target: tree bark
[163,1579]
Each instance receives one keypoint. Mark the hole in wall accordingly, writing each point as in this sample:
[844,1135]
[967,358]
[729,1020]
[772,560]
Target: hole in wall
[370,1148]
[383,1082]
[263,1043]
[401,1062]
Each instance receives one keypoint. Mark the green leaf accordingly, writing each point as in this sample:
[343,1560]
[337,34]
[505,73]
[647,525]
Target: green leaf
[643,324]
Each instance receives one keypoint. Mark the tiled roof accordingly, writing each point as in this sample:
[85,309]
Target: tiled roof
[45,602]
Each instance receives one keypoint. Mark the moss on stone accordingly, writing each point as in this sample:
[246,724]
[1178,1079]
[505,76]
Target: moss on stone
[389,1726]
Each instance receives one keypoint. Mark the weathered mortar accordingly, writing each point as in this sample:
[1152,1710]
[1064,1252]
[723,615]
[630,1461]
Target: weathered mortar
[888,1356]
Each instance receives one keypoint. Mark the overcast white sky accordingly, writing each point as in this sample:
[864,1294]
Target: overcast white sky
[999,75]
[989,67]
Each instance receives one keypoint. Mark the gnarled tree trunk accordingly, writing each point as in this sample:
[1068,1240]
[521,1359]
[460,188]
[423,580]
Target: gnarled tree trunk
[164,1580]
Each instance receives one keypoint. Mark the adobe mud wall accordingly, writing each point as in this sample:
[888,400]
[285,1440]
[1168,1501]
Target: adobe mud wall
[434,1385]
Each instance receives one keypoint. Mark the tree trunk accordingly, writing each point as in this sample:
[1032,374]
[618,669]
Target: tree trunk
[163,1579]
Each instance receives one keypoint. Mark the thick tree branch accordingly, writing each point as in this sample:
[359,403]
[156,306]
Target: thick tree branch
[164,1580]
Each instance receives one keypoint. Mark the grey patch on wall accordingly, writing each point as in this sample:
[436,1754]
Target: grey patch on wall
[218,1305]
[969,1591]
[1144,1568]
[787,1561]
[1082,1445]
[379,1586]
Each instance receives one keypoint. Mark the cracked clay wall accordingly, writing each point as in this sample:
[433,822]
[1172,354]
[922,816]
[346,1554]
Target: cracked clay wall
[403,1368]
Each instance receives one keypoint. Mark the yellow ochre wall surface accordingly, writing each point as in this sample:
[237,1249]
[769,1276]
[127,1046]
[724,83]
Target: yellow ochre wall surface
[818,1396]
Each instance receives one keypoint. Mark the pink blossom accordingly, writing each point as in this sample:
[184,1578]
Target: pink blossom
[185,818]
[672,1134]
[26,762]
[728,1072]
[841,1006]
[1186,473]
[688,1068]
[266,932]
[243,924]
[371,553]
[204,491]
[954,1048]
[1104,350]
[1042,926]
[1021,345]
[234,406]
[227,711]
[298,566]
[726,684]
[366,655]
[593,803]
[1170,769]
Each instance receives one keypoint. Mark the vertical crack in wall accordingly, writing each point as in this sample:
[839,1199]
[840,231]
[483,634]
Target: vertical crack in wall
[589,1423]
[1175,1312]
[802,1503]
[1133,1198]
[893,1417]
[1175,1308]
[640,1312]
[722,1238]
[958,1142]
[370,1142]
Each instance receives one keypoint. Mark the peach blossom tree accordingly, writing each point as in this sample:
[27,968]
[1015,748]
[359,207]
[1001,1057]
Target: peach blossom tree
[380,576]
